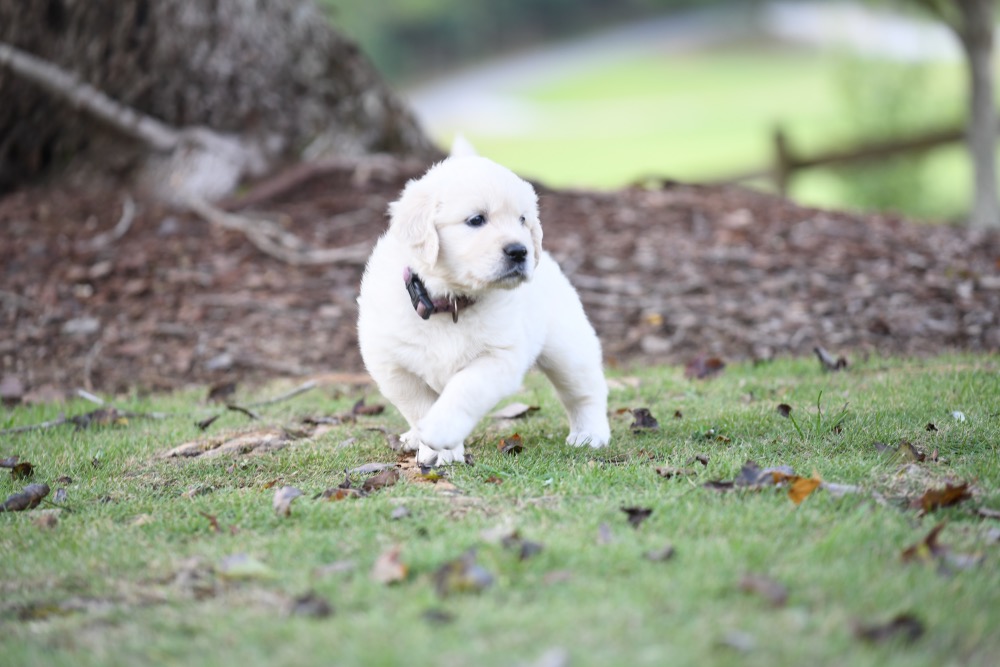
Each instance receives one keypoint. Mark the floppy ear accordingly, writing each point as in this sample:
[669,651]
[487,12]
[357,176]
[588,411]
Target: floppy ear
[411,218]
[535,227]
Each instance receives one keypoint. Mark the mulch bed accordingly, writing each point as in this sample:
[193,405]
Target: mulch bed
[667,273]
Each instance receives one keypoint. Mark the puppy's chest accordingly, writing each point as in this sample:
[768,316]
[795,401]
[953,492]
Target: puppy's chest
[441,354]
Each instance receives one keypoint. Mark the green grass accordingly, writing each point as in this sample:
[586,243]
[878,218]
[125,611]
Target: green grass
[103,586]
[711,114]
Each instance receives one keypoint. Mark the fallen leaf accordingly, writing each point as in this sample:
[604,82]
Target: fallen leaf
[784,409]
[514,411]
[462,575]
[381,480]
[927,548]
[803,486]
[701,367]
[511,444]
[340,493]
[668,472]
[212,521]
[636,515]
[388,569]
[930,427]
[368,410]
[369,468]
[644,421]
[905,627]
[46,519]
[827,360]
[698,458]
[243,411]
[310,605]
[678,414]
[769,589]
[220,392]
[27,499]
[493,479]
[950,495]
[9,462]
[60,495]
[283,499]
[22,470]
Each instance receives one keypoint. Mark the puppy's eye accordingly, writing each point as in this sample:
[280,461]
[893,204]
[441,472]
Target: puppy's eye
[476,220]
[522,219]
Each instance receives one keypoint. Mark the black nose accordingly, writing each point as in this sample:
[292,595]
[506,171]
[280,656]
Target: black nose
[516,252]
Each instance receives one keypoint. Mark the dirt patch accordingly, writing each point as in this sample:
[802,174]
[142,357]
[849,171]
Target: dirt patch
[665,273]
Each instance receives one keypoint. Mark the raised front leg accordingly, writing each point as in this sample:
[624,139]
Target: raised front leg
[466,399]
[411,396]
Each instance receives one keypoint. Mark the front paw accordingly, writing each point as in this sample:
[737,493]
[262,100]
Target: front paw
[582,438]
[410,441]
[428,456]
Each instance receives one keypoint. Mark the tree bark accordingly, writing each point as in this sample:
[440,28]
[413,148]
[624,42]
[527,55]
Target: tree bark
[274,74]
[976,34]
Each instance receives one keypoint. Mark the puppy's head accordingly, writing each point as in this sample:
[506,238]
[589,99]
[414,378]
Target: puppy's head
[471,225]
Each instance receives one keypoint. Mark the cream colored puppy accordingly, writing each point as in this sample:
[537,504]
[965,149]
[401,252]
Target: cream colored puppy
[459,300]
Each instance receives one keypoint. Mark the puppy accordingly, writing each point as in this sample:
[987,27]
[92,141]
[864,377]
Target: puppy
[458,301]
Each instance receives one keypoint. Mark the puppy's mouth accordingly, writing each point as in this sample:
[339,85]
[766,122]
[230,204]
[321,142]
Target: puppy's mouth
[511,276]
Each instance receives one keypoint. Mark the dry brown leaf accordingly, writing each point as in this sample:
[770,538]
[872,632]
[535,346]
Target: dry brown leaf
[388,568]
[22,470]
[644,421]
[381,480]
[367,410]
[927,548]
[905,627]
[636,515]
[784,409]
[949,495]
[512,444]
[283,499]
[701,367]
[668,472]
[803,486]
[27,499]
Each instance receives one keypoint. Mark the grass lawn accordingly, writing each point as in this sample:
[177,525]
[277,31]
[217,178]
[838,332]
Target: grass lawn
[711,114]
[133,572]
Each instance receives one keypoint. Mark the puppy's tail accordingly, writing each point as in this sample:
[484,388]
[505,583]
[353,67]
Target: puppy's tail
[460,147]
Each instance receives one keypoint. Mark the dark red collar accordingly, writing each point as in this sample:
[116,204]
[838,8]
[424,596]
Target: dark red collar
[425,305]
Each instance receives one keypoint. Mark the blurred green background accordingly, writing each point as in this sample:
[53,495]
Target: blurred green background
[695,95]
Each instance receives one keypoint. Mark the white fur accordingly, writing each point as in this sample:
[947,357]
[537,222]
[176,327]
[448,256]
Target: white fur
[444,376]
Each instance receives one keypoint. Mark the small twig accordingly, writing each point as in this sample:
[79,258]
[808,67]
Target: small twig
[249,413]
[86,395]
[301,389]
[35,427]
[105,239]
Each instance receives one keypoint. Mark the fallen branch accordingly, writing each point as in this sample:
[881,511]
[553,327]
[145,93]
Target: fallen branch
[84,97]
[270,239]
[301,389]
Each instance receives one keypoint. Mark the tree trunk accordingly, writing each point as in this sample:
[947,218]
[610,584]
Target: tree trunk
[275,74]
[976,32]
